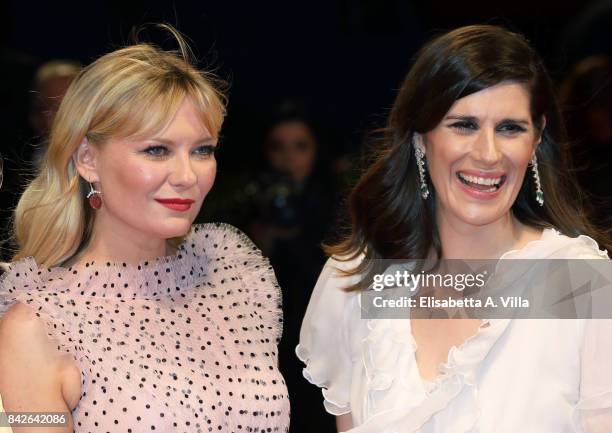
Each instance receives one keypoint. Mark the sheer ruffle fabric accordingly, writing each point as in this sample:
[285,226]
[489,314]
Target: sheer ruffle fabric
[182,343]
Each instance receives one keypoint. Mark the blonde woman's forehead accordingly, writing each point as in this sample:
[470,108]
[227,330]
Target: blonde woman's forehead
[167,114]
[186,126]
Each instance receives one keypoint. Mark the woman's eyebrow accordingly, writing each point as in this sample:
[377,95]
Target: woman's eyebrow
[460,117]
[475,119]
[514,120]
[203,140]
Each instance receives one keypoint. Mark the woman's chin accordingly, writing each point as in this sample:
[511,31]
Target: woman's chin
[478,215]
[174,228]
[474,211]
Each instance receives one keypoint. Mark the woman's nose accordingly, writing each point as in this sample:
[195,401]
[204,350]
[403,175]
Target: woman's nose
[486,148]
[182,173]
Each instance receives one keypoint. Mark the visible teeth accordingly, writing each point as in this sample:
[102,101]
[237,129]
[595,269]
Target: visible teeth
[480,180]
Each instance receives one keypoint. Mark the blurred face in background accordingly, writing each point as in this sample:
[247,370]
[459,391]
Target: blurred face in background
[50,85]
[51,94]
[291,148]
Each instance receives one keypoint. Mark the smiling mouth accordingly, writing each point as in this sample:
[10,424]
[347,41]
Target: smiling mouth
[482,184]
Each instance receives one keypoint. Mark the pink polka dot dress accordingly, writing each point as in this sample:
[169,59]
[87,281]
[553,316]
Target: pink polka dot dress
[185,343]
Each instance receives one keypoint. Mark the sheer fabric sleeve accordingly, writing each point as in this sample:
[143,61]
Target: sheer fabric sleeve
[324,337]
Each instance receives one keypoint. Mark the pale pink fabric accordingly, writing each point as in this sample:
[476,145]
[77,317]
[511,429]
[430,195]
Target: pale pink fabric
[182,343]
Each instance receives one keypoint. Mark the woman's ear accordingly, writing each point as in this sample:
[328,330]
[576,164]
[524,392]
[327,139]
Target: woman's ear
[84,160]
[541,130]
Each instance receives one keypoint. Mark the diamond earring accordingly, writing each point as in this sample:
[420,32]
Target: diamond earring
[420,159]
[536,178]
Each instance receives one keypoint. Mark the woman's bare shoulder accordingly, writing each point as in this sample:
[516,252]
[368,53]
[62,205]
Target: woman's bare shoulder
[30,361]
[20,327]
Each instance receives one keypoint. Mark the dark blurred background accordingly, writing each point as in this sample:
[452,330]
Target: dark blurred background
[307,82]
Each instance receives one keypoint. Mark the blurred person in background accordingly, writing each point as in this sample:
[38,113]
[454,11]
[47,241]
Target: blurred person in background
[51,82]
[293,195]
[292,203]
[23,154]
[586,95]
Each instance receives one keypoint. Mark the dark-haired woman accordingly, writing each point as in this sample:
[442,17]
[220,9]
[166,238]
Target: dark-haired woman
[473,167]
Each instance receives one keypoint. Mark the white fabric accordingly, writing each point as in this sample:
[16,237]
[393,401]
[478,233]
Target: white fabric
[540,376]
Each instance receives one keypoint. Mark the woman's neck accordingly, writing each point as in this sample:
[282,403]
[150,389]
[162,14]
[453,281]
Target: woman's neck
[490,241]
[120,244]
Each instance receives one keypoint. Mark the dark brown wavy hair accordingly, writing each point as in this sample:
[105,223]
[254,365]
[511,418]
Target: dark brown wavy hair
[388,217]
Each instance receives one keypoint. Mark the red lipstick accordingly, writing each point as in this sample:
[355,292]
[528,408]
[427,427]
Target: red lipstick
[178,204]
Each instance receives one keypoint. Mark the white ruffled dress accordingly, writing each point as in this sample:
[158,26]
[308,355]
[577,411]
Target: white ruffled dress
[512,376]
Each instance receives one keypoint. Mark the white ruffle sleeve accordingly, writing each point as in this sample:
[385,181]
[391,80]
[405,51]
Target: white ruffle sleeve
[324,344]
[593,413]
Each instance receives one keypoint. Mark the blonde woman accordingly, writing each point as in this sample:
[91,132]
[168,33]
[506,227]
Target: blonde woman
[116,310]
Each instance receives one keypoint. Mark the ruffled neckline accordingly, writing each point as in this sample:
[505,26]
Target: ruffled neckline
[195,258]
[461,358]
[389,351]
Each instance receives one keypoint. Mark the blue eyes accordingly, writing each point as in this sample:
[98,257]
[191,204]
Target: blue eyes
[162,151]
[156,150]
[508,128]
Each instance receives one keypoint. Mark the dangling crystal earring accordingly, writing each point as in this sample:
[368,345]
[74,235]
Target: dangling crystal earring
[536,179]
[420,159]
[94,197]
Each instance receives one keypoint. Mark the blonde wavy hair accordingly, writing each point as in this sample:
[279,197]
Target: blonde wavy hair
[129,93]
